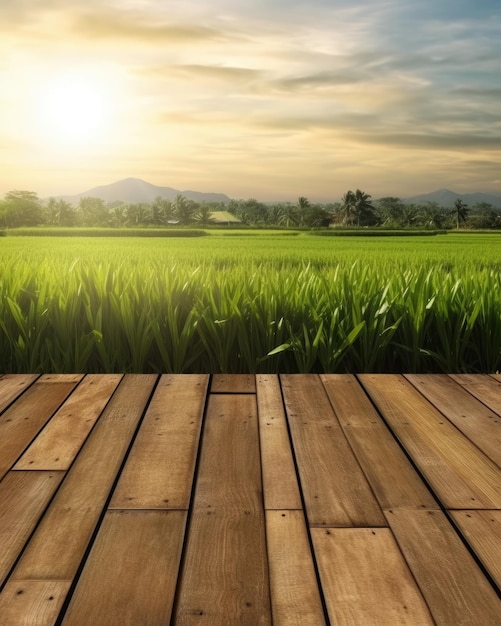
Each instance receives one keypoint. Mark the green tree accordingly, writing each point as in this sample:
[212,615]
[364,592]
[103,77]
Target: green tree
[58,212]
[316,216]
[249,211]
[390,210]
[93,212]
[162,211]
[484,215]
[204,214]
[410,215]
[460,211]
[184,209]
[432,215]
[287,214]
[118,215]
[357,208]
[138,214]
[21,208]
[302,205]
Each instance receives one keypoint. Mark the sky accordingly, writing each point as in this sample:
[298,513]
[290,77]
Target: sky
[270,99]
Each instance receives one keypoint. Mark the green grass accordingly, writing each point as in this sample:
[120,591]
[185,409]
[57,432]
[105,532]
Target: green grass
[80,231]
[264,303]
[375,232]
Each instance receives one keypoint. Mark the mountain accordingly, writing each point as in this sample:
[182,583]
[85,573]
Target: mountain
[136,190]
[446,197]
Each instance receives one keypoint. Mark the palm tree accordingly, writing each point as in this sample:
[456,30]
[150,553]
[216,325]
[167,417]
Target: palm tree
[287,214]
[460,210]
[204,215]
[357,206]
[432,214]
[185,209]
[410,213]
[162,211]
[138,213]
[363,205]
[348,207]
[301,207]
[119,215]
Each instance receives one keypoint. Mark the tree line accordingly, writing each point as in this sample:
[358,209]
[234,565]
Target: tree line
[356,209]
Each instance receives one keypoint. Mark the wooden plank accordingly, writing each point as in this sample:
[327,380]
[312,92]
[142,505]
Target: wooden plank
[474,419]
[388,470]
[12,386]
[295,598]
[280,486]
[233,383]
[461,475]
[60,378]
[59,542]
[32,602]
[336,492]
[229,584]
[365,578]
[482,530]
[160,467]
[451,582]
[23,498]
[131,573]
[59,442]
[20,423]
[487,389]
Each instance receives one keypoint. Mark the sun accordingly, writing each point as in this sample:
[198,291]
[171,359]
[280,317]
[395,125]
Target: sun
[75,108]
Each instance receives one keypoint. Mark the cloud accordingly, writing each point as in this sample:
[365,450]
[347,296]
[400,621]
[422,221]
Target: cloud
[106,24]
[197,71]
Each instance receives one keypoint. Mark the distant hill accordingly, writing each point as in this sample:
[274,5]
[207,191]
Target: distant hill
[136,190]
[446,197]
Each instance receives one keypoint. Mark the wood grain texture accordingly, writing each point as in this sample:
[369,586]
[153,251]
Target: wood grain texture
[23,498]
[393,479]
[233,383]
[481,425]
[242,564]
[160,467]
[280,485]
[295,598]
[365,578]
[12,386]
[487,389]
[60,378]
[451,582]
[32,602]
[58,545]
[229,585]
[335,490]
[131,573]
[460,474]
[482,530]
[20,423]
[59,442]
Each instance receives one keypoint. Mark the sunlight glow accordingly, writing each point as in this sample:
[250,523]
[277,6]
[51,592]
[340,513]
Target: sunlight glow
[75,109]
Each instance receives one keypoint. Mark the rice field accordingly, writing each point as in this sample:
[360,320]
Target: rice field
[251,302]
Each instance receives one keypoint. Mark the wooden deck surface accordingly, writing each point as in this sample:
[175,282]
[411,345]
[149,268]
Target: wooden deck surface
[250,500]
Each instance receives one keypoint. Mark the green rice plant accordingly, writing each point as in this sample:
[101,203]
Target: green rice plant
[253,305]
[44,231]
[174,320]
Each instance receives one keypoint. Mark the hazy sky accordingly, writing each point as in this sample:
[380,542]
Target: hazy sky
[269,99]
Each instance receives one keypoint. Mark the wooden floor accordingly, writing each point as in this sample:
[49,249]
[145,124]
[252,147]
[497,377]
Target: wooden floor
[299,499]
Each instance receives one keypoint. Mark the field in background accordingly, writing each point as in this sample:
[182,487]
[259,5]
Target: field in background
[252,302]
